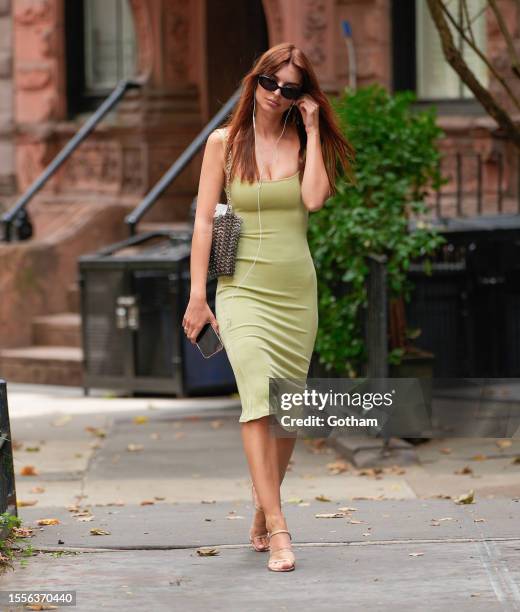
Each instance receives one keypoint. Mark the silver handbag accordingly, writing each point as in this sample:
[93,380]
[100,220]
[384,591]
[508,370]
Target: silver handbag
[227,226]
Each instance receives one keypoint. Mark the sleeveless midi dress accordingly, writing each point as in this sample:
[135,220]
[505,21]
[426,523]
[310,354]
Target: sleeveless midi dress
[268,324]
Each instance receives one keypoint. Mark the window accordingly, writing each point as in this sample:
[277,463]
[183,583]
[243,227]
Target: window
[417,56]
[436,79]
[101,50]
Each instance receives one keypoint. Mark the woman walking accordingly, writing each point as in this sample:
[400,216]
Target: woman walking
[284,146]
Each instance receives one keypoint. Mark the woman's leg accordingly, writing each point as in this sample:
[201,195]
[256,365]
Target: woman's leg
[267,460]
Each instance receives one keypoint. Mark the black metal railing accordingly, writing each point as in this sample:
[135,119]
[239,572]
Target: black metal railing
[180,164]
[469,192]
[17,211]
[7,480]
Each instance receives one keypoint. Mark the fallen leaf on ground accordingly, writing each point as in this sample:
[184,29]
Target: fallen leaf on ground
[37,490]
[479,457]
[147,502]
[479,520]
[234,516]
[134,447]
[23,532]
[416,554]
[99,531]
[32,449]
[445,451]
[322,498]
[465,470]
[330,515]
[140,419]
[86,519]
[159,498]
[337,467]
[347,509]
[208,501]
[207,552]
[97,431]
[466,498]
[28,502]
[29,470]
[504,443]
[355,522]
[48,521]
[294,500]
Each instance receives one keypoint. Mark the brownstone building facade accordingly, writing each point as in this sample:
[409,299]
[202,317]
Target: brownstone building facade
[60,58]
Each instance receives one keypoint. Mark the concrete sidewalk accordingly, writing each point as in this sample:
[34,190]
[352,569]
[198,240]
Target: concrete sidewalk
[175,479]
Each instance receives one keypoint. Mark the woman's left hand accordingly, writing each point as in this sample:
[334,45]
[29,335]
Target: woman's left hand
[309,110]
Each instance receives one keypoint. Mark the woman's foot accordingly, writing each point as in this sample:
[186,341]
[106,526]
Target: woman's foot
[281,558]
[258,533]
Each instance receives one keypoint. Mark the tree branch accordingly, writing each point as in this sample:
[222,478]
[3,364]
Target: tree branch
[515,63]
[457,62]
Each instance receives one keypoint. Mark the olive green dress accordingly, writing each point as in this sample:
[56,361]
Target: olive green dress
[269,324]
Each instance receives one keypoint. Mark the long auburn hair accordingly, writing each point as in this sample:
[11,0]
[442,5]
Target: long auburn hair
[338,152]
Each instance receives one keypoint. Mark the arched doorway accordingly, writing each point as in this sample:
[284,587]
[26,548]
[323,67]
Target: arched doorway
[236,34]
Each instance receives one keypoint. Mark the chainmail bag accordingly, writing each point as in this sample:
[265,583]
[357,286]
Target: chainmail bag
[226,232]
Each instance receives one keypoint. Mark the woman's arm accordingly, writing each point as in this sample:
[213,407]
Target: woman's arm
[315,182]
[210,188]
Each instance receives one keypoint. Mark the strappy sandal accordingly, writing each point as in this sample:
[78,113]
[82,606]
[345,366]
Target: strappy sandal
[252,539]
[272,562]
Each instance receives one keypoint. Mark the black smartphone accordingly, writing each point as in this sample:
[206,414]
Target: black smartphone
[208,341]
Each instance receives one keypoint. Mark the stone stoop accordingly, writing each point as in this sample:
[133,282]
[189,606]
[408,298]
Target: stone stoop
[56,357]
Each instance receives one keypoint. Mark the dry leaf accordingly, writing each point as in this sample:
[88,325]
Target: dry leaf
[234,516]
[367,533]
[41,606]
[337,467]
[48,521]
[355,522]
[134,447]
[294,500]
[466,498]
[331,515]
[147,502]
[29,502]
[85,519]
[465,470]
[445,451]
[29,470]
[322,498]
[159,498]
[433,524]
[479,457]
[99,531]
[140,419]
[208,501]
[97,431]
[207,552]
[347,509]
[479,520]
[32,449]
[504,443]
[416,554]
[37,490]
[23,532]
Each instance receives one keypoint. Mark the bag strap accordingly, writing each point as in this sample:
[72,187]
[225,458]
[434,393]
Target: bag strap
[228,171]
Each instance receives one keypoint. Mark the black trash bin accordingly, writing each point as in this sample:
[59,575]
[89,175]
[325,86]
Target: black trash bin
[133,296]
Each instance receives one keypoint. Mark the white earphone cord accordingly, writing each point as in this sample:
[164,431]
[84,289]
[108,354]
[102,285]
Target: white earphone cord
[258,191]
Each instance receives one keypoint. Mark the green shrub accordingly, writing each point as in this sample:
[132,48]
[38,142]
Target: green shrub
[396,163]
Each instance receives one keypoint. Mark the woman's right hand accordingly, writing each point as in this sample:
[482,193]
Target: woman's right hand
[197,314]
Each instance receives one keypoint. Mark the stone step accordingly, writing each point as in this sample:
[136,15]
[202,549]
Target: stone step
[62,329]
[47,365]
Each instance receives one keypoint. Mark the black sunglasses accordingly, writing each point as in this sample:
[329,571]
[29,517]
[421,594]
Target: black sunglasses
[288,91]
